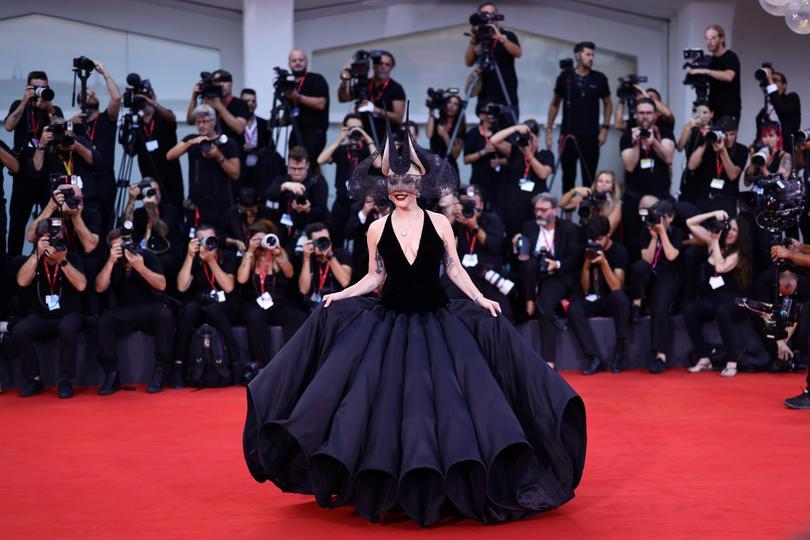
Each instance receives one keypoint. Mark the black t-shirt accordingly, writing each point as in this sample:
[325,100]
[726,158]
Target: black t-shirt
[202,277]
[92,220]
[169,215]
[515,195]
[586,93]
[314,85]
[101,134]
[437,142]
[346,160]
[724,97]
[153,162]
[30,125]
[383,96]
[209,188]
[711,168]
[660,263]
[129,287]
[70,300]
[280,202]
[483,175]
[238,108]
[490,86]
[323,272]
[651,175]
[489,254]
[234,224]
[618,259]
[64,163]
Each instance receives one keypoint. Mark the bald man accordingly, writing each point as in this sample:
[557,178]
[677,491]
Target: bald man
[310,106]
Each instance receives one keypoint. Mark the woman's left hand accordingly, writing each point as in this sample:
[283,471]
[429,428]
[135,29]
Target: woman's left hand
[491,305]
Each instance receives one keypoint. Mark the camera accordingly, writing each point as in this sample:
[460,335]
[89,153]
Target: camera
[210,243]
[695,59]
[82,63]
[284,82]
[44,93]
[777,316]
[592,250]
[777,203]
[359,70]
[145,190]
[761,75]
[467,208]
[355,135]
[651,216]
[644,133]
[137,87]
[301,200]
[803,135]
[714,136]
[595,199]
[270,241]
[717,226]
[761,157]
[627,90]
[208,88]
[72,200]
[207,146]
[542,260]
[504,285]
[567,64]
[322,243]
[127,244]
[55,227]
[437,99]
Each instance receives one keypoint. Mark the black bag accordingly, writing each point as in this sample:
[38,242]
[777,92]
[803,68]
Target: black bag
[208,359]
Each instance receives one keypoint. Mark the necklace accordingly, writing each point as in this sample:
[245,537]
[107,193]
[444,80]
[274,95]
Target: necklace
[404,231]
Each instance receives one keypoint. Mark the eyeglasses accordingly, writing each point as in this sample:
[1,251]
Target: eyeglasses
[297,168]
[711,38]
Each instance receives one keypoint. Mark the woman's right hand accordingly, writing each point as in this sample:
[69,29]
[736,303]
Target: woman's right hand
[720,215]
[327,299]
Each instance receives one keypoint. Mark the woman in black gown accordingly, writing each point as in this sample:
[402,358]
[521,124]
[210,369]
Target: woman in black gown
[414,403]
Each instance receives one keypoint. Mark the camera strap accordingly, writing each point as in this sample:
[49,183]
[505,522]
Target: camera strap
[209,276]
[34,123]
[51,280]
[323,273]
[471,243]
[148,132]
[68,165]
[92,134]
[380,93]
[353,159]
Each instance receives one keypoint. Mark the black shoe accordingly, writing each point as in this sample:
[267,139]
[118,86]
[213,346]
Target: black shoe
[65,390]
[635,314]
[32,387]
[156,385]
[111,385]
[618,363]
[594,366]
[657,365]
[176,380]
[800,402]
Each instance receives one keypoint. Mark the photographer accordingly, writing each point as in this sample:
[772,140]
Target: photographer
[346,152]
[479,243]
[382,95]
[646,152]
[483,156]
[723,73]
[603,198]
[231,112]
[550,251]
[213,165]
[310,105]
[134,279]
[602,281]
[9,161]
[206,279]
[689,139]
[665,116]
[717,164]
[584,87]
[768,155]
[726,275]
[441,123]
[26,118]
[323,270]
[82,226]
[257,140]
[53,279]
[528,169]
[267,271]
[240,217]
[656,277]
[781,106]
[361,216]
[504,47]
[298,198]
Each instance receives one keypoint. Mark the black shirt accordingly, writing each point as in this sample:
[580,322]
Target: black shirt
[30,125]
[483,175]
[202,276]
[323,272]
[489,254]
[101,134]
[346,160]
[209,188]
[586,93]
[129,288]
[169,215]
[617,259]
[490,86]
[651,175]
[70,300]
[234,223]
[317,192]
[724,97]
[154,163]
[238,108]
[515,195]
[313,85]
[383,96]
[711,164]
[660,263]
[64,163]
[92,220]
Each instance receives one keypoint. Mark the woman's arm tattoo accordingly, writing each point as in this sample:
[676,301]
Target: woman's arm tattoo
[379,261]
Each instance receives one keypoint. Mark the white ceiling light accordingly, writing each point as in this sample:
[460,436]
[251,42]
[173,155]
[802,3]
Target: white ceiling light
[795,12]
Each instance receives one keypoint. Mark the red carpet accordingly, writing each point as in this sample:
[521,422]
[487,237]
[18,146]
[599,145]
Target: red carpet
[671,456]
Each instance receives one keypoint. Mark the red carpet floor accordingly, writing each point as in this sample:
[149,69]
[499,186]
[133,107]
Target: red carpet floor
[672,456]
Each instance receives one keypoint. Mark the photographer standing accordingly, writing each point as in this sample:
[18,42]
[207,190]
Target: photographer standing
[690,138]
[441,124]
[665,115]
[580,91]
[26,118]
[385,96]
[231,112]
[257,141]
[781,106]
[483,156]
[212,167]
[310,105]
[353,146]
[53,279]
[134,279]
[504,47]
[324,270]
[717,164]
[723,73]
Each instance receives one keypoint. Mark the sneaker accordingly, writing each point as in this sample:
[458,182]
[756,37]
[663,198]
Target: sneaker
[32,387]
[156,385]
[176,379]
[111,385]
[65,389]
[635,314]
[800,402]
[657,365]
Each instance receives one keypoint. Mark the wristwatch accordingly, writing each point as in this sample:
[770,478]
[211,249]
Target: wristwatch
[63,263]
[220,160]
[475,230]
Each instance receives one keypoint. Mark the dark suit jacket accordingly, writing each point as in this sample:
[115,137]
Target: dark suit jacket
[569,245]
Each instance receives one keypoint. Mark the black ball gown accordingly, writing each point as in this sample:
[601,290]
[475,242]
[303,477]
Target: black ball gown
[415,403]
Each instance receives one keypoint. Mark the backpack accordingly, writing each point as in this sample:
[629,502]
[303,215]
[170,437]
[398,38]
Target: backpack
[208,359]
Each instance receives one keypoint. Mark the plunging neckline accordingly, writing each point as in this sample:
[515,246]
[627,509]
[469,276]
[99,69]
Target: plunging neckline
[421,237]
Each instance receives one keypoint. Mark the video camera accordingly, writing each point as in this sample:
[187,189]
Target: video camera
[595,199]
[83,63]
[437,99]
[480,22]
[284,81]
[137,88]
[627,90]
[208,88]
[778,316]
[777,203]
[55,227]
[359,70]
[695,59]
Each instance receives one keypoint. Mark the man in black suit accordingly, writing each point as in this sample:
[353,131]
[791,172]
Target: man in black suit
[550,252]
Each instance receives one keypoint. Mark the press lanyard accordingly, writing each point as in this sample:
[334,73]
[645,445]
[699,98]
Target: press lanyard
[93,132]
[211,279]
[474,238]
[323,273]
[68,165]
[549,245]
[527,162]
[719,166]
[51,282]
[379,95]
[148,132]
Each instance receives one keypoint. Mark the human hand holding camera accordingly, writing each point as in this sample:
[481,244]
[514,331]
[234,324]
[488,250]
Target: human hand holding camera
[368,207]
[135,260]
[193,248]
[779,253]
[46,138]
[42,246]
[213,153]
[308,250]
[206,255]
[116,253]
[302,208]
[28,94]
[296,188]
[254,243]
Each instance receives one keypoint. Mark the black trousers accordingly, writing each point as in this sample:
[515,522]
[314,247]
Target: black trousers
[154,319]
[258,322]
[631,225]
[341,212]
[25,194]
[658,290]
[615,304]
[729,317]
[34,327]
[193,314]
[589,147]
[693,258]
[105,194]
[547,292]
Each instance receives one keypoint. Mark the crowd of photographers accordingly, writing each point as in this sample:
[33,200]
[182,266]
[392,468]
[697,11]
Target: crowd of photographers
[254,242]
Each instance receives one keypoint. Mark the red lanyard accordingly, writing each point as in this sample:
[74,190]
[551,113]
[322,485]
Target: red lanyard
[353,160]
[210,278]
[34,123]
[196,217]
[483,133]
[262,276]
[228,101]
[657,254]
[93,132]
[527,161]
[379,95]
[148,132]
[300,82]
[719,166]
[68,165]
[51,282]
[474,238]
[323,273]
[549,245]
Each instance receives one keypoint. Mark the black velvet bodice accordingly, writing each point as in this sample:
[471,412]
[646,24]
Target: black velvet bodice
[412,288]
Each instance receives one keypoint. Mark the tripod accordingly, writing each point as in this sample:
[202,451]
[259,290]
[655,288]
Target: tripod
[567,137]
[130,136]
[281,116]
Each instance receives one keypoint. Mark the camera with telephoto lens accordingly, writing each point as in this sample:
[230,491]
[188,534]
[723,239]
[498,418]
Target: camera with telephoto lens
[63,133]
[592,250]
[627,90]
[801,136]
[695,59]
[542,260]
[503,284]
[145,190]
[127,244]
[567,65]
[717,226]
[761,156]
[644,133]
[355,135]
[45,93]
[467,208]
[595,199]
[761,74]
[207,145]
[715,136]
[55,240]
[777,316]
[523,140]
[437,98]
[82,63]
[284,81]
[269,241]
[138,88]
[652,216]
[208,88]
[322,243]
[210,243]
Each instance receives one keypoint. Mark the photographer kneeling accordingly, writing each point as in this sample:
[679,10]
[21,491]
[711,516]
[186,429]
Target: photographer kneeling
[134,279]
[268,299]
[603,198]
[602,281]
[53,278]
[726,275]
[323,270]
[717,164]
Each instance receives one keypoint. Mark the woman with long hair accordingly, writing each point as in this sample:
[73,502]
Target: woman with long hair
[609,196]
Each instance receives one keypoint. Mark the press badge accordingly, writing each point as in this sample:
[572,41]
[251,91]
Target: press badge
[592,298]
[286,220]
[716,282]
[646,163]
[251,160]
[296,111]
[151,146]
[265,301]
[52,301]
[219,296]
[717,183]
[526,185]
[469,260]
[316,298]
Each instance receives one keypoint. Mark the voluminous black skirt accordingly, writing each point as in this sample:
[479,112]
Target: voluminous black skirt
[385,410]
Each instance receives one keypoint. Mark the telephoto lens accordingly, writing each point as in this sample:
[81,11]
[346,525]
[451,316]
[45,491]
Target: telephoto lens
[270,241]
[715,136]
[761,157]
[210,243]
[44,93]
[322,243]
